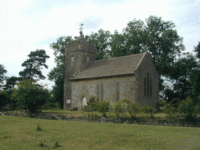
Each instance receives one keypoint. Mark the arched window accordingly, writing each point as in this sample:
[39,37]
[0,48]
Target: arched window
[147,85]
[84,101]
[88,58]
[72,58]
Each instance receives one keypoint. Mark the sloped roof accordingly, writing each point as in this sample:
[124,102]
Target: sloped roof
[110,67]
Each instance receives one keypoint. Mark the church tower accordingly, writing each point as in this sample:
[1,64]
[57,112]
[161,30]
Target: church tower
[77,54]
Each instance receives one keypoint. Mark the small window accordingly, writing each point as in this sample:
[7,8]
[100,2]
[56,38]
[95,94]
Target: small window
[72,58]
[88,58]
[101,92]
[150,87]
[147,86]
[98,92]
[145,89]
[117,91]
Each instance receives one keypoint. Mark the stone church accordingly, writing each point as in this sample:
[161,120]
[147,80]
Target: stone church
[131,77]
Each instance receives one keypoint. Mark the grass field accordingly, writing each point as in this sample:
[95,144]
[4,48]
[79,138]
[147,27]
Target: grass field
[18,133]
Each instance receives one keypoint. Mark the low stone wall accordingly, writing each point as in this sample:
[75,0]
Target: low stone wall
[123,120]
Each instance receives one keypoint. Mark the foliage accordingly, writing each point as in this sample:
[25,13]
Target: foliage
[103,107]
[91,105]
[197,50]
[30,95]
[159,38]
[188,108]
[182,87]
[11,82]
[102,41]
[170,111]
[57,73]
[118,108]
[39,128]
[148,110]
[195,83]
[33,65]
[3,71]
[132,108]
[4,99]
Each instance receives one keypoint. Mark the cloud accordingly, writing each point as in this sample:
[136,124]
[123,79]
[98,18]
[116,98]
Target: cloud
[92,22]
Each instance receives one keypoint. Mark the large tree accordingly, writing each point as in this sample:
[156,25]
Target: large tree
[180,75]
[33,65]
[197,50]
[30,95]
[156,36]
[57,73]
[3,71]
[102,41]
[11,82]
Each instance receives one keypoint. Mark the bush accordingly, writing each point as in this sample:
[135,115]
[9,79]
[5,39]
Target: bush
[103,107]
[170,111]
[30,95]
[188,109]
[118,108]
[148,110]
[4,99]
[131,108]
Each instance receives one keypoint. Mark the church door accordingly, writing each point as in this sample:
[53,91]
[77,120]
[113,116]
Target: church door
[84,101]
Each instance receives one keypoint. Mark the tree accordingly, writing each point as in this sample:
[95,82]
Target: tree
[195,83]
[30,95]
[182,87]
[33,65]
[102,41]
[4,99]
[11,82]
[3,71]
[197,50]
[57,73]
[159,38]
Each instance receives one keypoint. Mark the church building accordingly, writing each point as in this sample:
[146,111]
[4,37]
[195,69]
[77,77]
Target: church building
[132,77]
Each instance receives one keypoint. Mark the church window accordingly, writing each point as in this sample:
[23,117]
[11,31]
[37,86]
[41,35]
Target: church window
[145,89]
[98,92]
[150,87]
[88,58]
[117,91]
[147,86]
[101,92]
[72,58]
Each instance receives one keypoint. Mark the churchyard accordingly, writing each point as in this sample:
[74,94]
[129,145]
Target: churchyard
[18,133]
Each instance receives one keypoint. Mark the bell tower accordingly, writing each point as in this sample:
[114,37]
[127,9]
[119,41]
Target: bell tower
[77,54]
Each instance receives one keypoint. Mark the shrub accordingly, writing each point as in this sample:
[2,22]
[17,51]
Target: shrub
[39,128]
[4,99]
[148,110]
[103,107]
[170,111]
[188,109]
[30,95]
[118,108]
[133,109]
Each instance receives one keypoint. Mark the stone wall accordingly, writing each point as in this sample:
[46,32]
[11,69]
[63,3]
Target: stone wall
[88,88]
[147,66]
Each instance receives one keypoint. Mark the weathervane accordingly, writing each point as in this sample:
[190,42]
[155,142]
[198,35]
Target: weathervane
[81,28]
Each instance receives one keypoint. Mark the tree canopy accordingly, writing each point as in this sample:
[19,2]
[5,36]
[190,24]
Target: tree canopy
[33,65]
[3,71]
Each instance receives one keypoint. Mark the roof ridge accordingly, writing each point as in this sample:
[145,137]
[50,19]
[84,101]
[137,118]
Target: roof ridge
[119,57]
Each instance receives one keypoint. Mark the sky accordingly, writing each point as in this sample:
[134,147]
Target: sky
[27,25]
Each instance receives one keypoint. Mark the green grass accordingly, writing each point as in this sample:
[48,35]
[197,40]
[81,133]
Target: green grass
[18,133]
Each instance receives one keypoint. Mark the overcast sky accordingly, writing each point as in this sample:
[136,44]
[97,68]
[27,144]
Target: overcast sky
[27,25]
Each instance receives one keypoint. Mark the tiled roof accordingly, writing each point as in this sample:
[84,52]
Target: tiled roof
[110,67]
